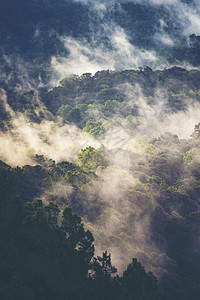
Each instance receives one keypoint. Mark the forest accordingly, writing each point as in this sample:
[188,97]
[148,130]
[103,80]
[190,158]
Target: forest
[99,150]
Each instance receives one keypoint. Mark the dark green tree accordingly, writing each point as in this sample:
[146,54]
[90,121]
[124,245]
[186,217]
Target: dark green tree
[137,284]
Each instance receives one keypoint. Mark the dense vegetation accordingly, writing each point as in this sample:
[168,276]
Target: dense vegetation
[32,33]
[93,162]
[140,195]
[85,99]
[47,254]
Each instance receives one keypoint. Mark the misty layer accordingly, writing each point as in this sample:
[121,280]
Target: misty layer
[138,203]
[109,35]
[122,148]
[102,148]
[109,109]
[87,57]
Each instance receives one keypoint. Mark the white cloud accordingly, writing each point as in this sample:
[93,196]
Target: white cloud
[84,57]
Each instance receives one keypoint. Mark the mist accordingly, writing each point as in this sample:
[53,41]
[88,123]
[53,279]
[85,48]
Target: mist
[87,57]
[119,51]
[136,186]
[25,139]
[60,142]
[187,14]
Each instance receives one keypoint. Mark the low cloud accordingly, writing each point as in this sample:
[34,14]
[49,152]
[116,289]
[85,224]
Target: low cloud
[85,57]
[25,139]
[187,15]
[116,184]
[119,52]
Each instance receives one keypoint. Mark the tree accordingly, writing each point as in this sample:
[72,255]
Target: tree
[137,284]
[104,285]
[94,128]
[90,158]
[196,133]
[102,266]
[78,239]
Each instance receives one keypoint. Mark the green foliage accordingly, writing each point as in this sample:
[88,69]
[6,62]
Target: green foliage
[106,94]
[43,161]
[47,254]
[191,156]
[43,113]
[42,252]
[94,128]
[131,122]
[137,284]
[71,114]
[76,236]
[64,111]
[161,183]
[89,159]
[68,81]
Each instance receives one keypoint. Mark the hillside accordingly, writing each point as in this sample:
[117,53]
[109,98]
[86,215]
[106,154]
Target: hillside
[100,150]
